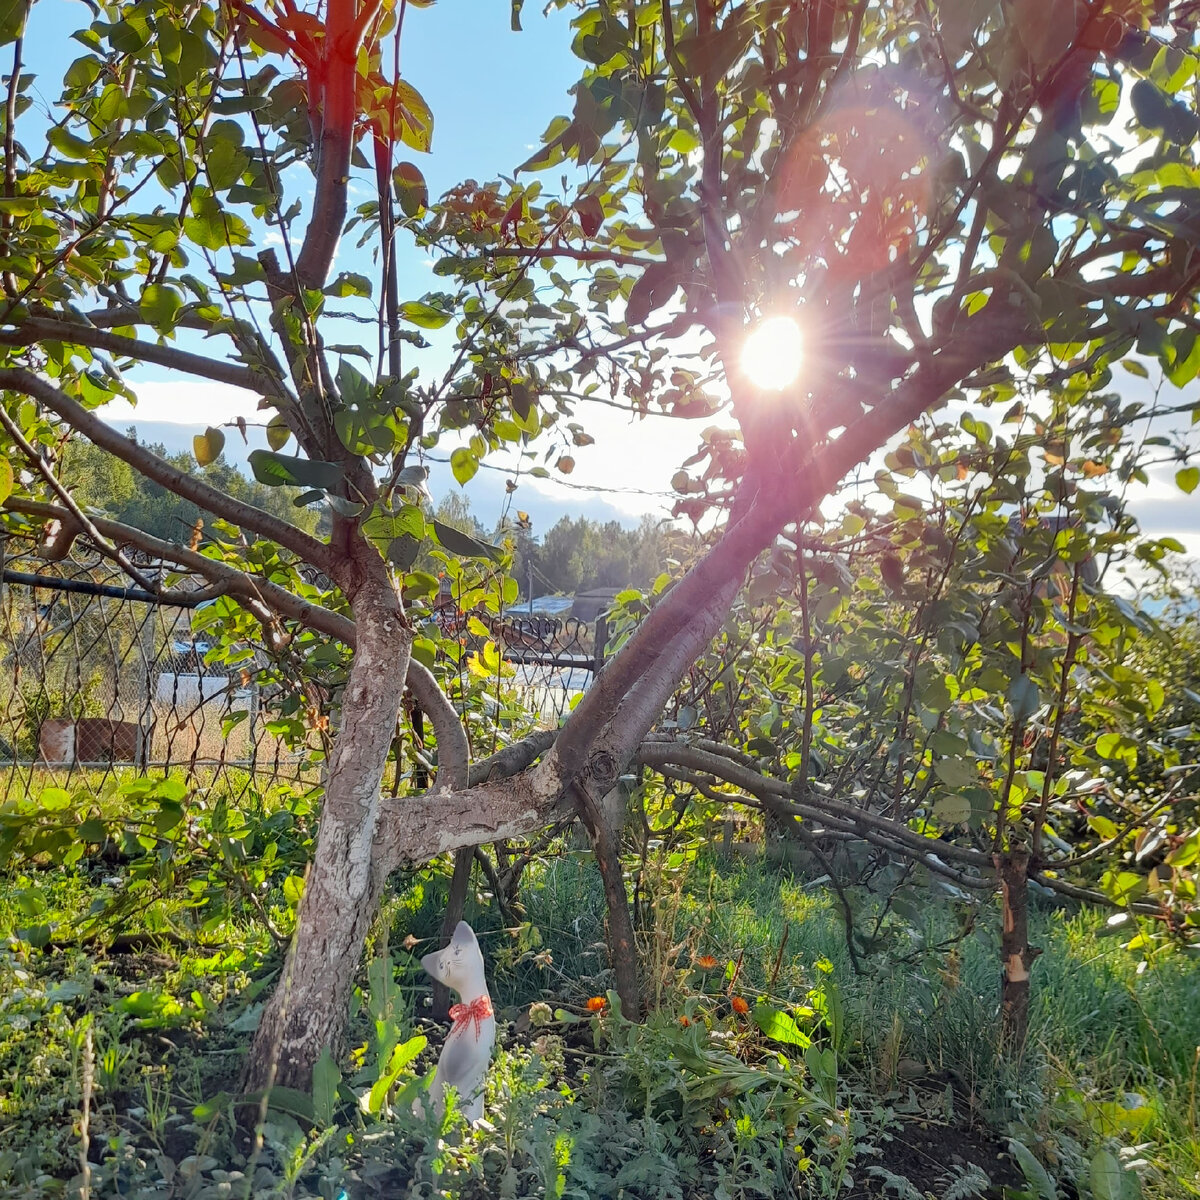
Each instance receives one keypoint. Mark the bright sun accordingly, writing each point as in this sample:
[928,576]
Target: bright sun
[772,354]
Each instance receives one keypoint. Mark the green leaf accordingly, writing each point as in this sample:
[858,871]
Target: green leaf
[1023,697]
[957,772]
[277,433]
[1187,478]
[232,105]
[213,227]
[953,809]
[20,206]
[353,386]
[1035,1174]
[401,1057]
[416,118]
[289,1100]
[281,470]
[348,283]
[207,1109]
[1117,746]
[402,552]
[12,19]
[412,193]
[343,507]
[463,545]
[823,1067]
[6,479]
[207,446]
[1186,853]
[82,73]
[325,1080]
[1106,1176]
[293,890]
[365,431]
[779,1026]
[464,465]
[62,139]
[424,315]
[420,584]
[169,815]
[396,535]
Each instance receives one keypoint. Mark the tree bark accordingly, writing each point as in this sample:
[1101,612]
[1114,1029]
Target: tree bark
[622,948]
[307,1010]
[456,902]
[1017,955]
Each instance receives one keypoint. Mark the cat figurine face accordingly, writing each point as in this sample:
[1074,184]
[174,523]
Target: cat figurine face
[460,964]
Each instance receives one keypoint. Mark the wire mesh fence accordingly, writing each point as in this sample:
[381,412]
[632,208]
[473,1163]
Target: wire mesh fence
[99,678]
[96,676]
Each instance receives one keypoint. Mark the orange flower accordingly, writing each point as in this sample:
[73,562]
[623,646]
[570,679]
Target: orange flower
[739,1005]
[597,1004]
[684,1021]
[706,962]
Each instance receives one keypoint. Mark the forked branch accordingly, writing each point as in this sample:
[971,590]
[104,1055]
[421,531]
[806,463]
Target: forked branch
[147,463]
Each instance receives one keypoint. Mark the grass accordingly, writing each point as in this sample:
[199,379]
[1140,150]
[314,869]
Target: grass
[1110,1067]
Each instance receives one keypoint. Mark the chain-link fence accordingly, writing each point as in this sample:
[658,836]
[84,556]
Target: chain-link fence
[95,674]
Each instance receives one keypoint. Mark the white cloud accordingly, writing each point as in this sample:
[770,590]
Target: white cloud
[185,402]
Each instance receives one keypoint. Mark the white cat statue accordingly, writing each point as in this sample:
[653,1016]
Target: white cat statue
[468,1049]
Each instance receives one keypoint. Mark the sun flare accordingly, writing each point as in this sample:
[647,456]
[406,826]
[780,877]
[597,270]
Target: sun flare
[772,354]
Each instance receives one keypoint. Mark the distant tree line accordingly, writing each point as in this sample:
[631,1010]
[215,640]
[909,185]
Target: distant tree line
[573,555]
[576,553]
[104,482]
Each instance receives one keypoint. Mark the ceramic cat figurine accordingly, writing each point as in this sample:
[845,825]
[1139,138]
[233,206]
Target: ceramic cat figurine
[468,1049]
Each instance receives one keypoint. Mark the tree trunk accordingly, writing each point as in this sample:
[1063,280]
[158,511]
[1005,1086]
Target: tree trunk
[456,902]
[622,949]
[1016,953]
[308,1008]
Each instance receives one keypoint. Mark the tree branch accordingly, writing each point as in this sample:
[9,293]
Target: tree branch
[641,708]
[37,329]
[454,750]
[247,516]
[656,753]
[76,514]
[338,75]
[558,250]
[236,583]
[415,829]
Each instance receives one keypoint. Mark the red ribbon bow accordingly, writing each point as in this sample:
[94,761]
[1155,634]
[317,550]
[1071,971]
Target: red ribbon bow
[463,1014]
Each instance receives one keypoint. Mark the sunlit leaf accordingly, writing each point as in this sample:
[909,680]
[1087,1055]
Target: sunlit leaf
[424,315]
[207,446]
